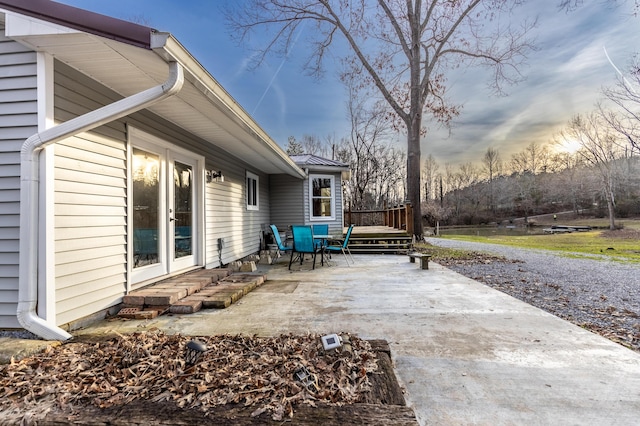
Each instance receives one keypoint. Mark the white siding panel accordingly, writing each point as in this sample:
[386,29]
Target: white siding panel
[18,96]
[18,107]
[10,196]
[7,284]
[102,299]
[89,207]
[10,182]
[18,121]
[18,70]
[67,233]
[287,201]
[27,82]
[89,270]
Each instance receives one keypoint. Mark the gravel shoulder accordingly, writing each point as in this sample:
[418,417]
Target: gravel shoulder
[600,295]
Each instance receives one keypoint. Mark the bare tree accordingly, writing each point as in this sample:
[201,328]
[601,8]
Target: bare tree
[367,147]
[492,167]
[570,5]
[600,149]
[429,176]
[625,95]
[525,166]
[403,48]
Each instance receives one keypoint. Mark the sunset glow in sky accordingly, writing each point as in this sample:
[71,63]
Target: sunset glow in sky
[563,77]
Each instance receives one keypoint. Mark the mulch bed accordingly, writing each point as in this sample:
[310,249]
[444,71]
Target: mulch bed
[143,378]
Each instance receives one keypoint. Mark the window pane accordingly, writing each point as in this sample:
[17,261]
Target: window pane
[321,207]
[322,187]
[248,191]
[254,192]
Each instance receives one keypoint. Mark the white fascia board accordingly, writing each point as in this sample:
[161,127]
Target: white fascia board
[18,26]
[326,169]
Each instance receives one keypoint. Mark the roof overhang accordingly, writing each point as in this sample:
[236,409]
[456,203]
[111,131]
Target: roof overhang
[326,169]
[202,107]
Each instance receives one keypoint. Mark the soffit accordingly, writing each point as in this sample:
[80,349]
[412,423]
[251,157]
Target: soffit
[128,70]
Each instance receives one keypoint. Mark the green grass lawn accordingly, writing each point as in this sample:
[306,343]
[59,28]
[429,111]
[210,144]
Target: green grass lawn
[623,245]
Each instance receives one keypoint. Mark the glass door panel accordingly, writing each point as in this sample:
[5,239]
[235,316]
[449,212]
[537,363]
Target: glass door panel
[165,199]
[182,209]
[146,204]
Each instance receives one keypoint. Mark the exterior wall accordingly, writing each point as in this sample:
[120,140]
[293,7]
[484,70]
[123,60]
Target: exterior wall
[287,207]
[226,214]
[91,204]
[18,121]
[336,225]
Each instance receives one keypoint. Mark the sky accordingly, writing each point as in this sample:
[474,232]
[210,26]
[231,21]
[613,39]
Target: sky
[564,76]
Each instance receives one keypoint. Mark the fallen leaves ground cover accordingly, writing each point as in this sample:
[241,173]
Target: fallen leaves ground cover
[254,371]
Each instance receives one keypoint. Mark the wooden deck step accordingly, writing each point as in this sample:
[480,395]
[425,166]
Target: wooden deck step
[188,293]
[380,244]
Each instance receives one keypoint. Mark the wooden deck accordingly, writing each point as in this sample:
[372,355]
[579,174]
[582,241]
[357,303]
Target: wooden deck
[368,230]
[379,239]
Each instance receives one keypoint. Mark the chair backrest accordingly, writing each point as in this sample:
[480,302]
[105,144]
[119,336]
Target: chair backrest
[346,238]
[302,239]
[276,236]
[320,229]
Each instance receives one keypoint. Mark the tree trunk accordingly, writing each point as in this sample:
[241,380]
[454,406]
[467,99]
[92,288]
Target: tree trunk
[413,180]
[612,213]
[414,126]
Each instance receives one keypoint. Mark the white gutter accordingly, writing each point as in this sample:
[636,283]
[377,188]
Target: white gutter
[29,187]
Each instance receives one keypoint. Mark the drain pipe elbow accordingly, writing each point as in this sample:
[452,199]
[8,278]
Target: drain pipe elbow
[28,269]
[29,192]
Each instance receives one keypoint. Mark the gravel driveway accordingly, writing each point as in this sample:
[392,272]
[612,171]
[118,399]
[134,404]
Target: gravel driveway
[597,294]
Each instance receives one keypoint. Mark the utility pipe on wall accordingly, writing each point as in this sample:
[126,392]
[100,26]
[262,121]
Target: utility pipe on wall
[29,189]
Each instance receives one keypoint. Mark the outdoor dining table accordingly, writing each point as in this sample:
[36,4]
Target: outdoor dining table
[323,241]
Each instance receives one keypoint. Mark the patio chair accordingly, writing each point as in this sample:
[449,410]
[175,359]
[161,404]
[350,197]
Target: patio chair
[320,230]
[344,247]
[281,247]
[303,244]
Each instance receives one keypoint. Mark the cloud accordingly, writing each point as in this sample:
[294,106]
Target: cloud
[564,77]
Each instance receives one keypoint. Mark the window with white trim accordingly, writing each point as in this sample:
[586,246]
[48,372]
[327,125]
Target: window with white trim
[253,186]
[322,197]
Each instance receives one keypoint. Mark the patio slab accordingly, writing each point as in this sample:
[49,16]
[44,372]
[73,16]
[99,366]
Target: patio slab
[463,352]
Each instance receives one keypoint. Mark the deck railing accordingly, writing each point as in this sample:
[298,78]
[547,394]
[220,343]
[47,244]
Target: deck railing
[398,217]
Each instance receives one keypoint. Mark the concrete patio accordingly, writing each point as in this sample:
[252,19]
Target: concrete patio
[464,353]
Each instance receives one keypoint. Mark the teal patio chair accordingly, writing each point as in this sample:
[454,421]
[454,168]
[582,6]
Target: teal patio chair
[281,247]
[320,230]
[344,247]
[303,244]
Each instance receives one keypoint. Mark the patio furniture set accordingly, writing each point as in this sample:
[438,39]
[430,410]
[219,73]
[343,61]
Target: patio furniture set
[313,240]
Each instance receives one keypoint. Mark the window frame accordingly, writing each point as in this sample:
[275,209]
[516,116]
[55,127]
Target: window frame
[332,179]
[249,191]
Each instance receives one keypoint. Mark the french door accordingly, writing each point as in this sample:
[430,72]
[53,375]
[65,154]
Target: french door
[164,209]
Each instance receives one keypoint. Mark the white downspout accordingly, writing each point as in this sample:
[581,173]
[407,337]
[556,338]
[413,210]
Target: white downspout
[29,187]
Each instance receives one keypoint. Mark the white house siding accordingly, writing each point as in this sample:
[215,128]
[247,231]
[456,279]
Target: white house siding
[287,201]
[90,205]
[18,121]
[90,200]
[226,214]
[336,225]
